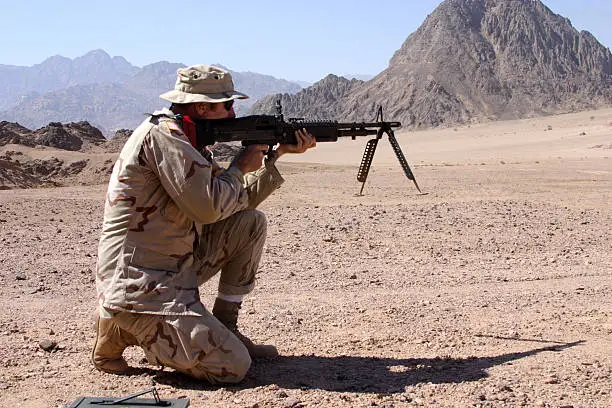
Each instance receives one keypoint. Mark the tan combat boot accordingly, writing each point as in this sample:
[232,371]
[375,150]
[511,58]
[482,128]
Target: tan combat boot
[108,349]
[227,313]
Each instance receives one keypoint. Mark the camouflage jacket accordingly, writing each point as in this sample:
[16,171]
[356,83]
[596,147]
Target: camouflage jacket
[160,190]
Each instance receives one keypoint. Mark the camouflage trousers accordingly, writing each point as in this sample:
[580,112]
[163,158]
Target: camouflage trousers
[201,346]
[234,247]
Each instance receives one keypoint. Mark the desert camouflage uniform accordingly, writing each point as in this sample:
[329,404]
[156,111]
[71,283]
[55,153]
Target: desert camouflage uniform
[170,225]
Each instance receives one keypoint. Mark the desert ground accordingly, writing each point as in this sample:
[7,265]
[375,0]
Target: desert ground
[493,289]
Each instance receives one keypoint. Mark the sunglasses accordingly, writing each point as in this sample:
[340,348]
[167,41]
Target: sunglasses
[228,104]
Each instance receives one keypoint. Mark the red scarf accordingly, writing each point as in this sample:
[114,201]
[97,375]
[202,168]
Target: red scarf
[190,131]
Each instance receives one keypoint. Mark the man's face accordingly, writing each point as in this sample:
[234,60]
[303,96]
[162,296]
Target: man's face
[215,110]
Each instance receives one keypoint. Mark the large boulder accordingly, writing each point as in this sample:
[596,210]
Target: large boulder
[55,135]
[14,133]
[85,131]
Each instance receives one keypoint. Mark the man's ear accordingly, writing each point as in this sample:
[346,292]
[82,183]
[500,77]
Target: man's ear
[202,108]
[199,108]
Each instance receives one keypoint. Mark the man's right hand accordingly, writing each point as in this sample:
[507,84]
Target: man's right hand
[250,158]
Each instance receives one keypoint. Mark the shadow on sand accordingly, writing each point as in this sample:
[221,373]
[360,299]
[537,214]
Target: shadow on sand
[362,374]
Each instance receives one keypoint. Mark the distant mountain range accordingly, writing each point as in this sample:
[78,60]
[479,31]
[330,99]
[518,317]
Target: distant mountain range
[361,77]
[107,91]
[471,60]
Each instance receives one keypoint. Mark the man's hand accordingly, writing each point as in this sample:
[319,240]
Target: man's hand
[250,158]
[304,139]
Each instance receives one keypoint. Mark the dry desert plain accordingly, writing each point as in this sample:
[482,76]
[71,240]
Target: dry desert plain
[494,289]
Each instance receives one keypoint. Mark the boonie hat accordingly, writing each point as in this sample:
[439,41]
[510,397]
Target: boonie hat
[203,83]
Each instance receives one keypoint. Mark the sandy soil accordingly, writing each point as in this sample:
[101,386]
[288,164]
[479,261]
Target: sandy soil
[491,290]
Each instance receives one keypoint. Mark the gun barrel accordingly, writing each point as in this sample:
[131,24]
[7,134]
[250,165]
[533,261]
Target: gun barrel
[361,125]
[330,131]
[356,132]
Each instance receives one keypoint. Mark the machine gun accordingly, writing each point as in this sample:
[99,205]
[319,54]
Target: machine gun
[273,129]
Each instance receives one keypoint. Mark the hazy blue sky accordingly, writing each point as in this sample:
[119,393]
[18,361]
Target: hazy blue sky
[298,40]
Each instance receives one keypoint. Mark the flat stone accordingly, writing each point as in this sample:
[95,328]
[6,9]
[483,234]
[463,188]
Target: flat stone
[47,345]
[292,402]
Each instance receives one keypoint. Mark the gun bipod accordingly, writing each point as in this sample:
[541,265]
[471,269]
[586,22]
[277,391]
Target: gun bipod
[368,154]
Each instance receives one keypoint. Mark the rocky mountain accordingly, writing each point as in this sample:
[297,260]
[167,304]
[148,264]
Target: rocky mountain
[75,136]
[59,72]
[323,100]
[153,79]
[19,170]
[258,86]
[105,105]
[474,60]
[106,91]
[56,167]
[361,77]
[14,133]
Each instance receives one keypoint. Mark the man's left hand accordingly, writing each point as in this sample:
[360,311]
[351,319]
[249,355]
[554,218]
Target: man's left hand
[305,141]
